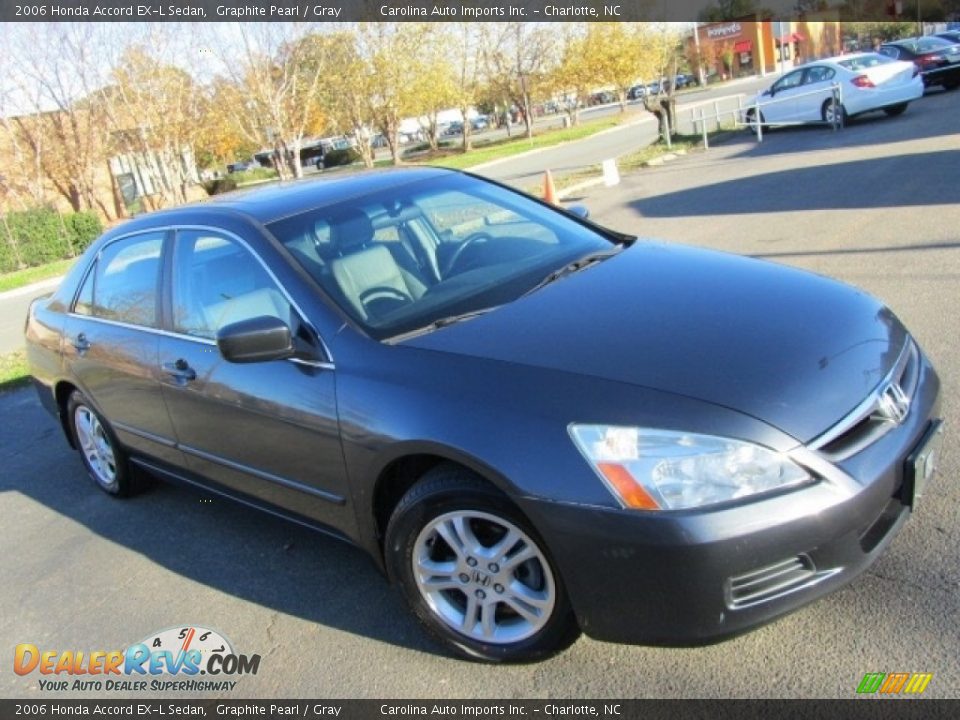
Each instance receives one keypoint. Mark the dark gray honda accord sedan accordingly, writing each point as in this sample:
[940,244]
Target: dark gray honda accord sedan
[534,425]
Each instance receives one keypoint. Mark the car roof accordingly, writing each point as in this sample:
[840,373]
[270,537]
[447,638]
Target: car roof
[281,199]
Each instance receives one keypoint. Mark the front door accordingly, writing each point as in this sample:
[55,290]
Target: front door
[267,430]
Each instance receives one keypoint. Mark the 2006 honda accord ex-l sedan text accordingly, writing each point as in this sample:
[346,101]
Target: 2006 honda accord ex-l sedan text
[534,425]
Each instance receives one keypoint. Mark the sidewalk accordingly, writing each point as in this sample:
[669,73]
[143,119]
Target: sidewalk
[32,288]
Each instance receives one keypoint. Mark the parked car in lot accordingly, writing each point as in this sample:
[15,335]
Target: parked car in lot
[636,92]
[454,128]
[866,82]
[937,58]
[479,123]
[952,36]
[533,424]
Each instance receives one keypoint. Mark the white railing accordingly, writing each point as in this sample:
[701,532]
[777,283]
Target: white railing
[701,120]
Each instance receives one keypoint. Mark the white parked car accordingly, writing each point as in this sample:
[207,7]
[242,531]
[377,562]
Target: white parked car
[866,82]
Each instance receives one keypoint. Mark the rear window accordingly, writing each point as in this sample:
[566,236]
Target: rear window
[862,62]
[926,44]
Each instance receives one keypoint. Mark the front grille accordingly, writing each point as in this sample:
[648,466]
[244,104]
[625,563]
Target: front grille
[884,409]
[769,582]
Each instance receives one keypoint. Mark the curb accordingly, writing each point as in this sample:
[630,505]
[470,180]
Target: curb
[528,153]
[36,287]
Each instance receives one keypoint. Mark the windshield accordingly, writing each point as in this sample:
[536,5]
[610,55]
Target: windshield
[401,259]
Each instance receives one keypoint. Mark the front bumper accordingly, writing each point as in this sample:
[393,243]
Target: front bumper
[693,577]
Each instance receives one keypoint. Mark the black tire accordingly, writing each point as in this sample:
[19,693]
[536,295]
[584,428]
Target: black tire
[897,109]
[443,495]
[110,471]
[825,111]
[751,114]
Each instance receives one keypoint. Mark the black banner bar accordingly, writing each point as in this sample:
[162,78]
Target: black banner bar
[863,709]
[440,11]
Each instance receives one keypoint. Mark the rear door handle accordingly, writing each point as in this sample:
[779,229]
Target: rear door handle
[81,344]
[180,371]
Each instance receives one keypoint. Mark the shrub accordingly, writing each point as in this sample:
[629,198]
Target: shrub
[220,185]
[347,156]
[42,235]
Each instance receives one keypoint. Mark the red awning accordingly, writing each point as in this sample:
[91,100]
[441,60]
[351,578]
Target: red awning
[743,46]
[792,37]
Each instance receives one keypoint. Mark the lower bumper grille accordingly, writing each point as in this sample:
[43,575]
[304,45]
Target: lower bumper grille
[766,583]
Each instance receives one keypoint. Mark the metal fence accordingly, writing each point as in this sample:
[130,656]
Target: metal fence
[713,115]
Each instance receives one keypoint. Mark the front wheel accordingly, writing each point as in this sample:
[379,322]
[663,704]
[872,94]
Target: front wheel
[895,109]
[752,121]
[474,571]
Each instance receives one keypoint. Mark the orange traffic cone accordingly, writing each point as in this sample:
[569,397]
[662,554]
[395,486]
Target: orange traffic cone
[549,190]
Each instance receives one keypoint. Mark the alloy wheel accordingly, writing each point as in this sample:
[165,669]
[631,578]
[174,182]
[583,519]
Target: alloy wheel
[484,577]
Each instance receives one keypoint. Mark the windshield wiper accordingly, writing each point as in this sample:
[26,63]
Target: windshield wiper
[574,267]
[443,322]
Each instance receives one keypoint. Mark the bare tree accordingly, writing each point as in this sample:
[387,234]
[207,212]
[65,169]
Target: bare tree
[276,66]
[517,58]
[55,67]
[153,108]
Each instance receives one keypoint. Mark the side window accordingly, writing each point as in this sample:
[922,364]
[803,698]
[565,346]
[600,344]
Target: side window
[123,284]
[890,52]
[84,304]
[789,81]
[819,74]
[216,282]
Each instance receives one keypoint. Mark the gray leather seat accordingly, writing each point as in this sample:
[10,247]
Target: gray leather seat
[367,273]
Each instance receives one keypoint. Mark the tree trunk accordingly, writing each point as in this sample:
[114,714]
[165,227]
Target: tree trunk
[293,159]
[527,118]
[622,97]
[467,135]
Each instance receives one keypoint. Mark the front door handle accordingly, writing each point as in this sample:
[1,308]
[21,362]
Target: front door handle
[180,371]
[81,343]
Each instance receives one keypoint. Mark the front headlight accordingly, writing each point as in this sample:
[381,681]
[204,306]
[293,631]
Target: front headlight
[664,470]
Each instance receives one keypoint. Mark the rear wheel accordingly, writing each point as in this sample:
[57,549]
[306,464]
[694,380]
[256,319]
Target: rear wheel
[474,571]
[831,109]
[105,460]
[895,109]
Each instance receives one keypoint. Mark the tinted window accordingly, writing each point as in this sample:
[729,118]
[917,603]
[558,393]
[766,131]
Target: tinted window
[819,74]
[216,282]
[788,81]
[398,259]
[864,61]
[890,51]
[124,282]
[84,304]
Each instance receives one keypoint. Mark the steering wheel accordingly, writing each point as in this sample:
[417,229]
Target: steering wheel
[383,292]
[468,241]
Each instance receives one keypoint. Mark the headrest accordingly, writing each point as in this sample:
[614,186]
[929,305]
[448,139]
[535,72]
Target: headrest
[350,230]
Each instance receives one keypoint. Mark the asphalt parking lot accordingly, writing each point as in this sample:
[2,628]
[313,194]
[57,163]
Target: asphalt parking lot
[876,204]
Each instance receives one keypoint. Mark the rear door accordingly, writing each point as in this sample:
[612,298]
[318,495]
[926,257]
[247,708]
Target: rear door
[267,430]
[111,340]
[817,89]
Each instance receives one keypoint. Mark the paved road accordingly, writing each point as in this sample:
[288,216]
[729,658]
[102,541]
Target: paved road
[526,170]
[13,312]
[876,205]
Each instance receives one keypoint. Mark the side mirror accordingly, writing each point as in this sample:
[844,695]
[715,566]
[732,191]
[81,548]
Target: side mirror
[769,91]
[258,339]
[580,211]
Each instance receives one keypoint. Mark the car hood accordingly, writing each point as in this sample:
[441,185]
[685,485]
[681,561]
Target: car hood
[793,349]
